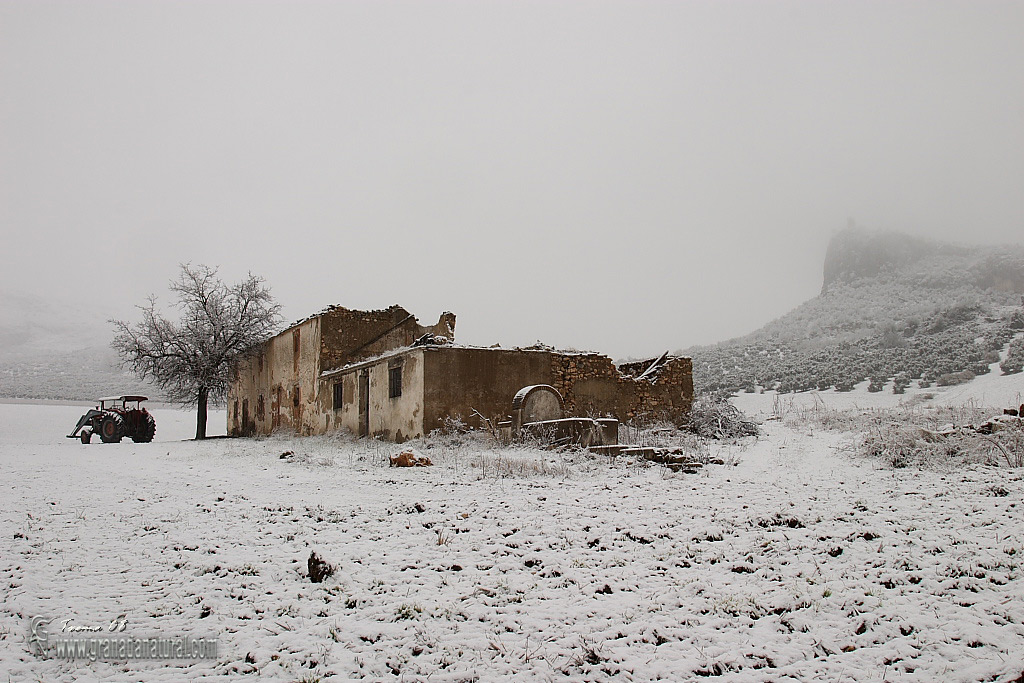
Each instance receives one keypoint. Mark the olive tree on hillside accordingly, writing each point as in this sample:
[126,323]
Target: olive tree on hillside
[191,358]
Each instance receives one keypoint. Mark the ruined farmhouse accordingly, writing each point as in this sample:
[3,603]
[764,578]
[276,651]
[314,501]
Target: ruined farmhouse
[382,374]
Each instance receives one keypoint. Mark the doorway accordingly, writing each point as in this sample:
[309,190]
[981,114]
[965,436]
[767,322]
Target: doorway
[364,402]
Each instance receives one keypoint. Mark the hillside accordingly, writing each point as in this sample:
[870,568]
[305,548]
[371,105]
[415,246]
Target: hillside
[58,351]
[891,306]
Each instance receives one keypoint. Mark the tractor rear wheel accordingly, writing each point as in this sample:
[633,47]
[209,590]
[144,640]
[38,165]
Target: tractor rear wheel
[146,429]
[111,428]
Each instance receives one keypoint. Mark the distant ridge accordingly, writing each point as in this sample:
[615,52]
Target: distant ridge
[59,350]
[857,253]
[891,305]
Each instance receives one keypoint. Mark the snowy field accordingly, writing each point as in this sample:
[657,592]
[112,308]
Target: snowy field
[993,389]
[794,562]
[37,424]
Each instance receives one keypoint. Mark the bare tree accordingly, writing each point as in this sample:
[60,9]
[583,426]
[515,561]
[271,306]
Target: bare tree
[192,359]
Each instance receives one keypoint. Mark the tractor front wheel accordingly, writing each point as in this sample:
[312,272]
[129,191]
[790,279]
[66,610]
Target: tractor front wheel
[86,435]
[111,428]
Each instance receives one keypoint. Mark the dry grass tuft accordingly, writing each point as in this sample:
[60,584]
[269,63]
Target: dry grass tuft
[906,436]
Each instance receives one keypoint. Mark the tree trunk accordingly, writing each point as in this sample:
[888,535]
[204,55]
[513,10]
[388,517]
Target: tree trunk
[204,397]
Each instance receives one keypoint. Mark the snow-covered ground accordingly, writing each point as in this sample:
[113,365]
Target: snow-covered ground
[992,390]
[793,562]
[30,423]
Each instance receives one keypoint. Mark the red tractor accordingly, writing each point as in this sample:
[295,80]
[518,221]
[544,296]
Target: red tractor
[113,419]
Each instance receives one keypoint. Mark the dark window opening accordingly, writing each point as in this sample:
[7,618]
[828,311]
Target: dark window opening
[295,397]
[395,382]
[339,395]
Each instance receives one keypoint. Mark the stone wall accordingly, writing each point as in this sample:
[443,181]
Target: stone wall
[591,386]
[276,386]
[459,381]
[349,336]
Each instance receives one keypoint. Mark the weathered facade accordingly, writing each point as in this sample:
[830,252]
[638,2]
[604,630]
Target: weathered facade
[434,382]
[277,387]
[362,372]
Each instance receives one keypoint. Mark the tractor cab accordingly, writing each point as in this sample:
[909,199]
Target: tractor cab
[111,402]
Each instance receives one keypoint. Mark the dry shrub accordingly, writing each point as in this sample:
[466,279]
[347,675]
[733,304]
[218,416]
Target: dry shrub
[664,434]
[906,436]
[454,439]
[657,433]
[821,416]
[516,463]
[713,417]
[462,448]
[900,445]
[907,446]
[1010,444]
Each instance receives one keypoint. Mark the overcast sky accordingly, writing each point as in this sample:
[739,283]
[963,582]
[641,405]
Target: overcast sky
[623,176]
